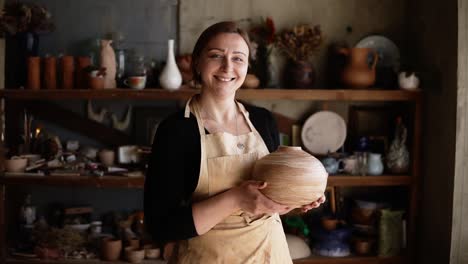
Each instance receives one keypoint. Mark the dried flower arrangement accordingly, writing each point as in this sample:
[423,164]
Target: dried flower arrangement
[300,42]
[19,17]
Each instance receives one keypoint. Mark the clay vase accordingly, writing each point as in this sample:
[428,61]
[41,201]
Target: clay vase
[357,73]
[170,78]
[294,177]
[34,73]
[108,61]
[398,155]
[299,74]
[110,249]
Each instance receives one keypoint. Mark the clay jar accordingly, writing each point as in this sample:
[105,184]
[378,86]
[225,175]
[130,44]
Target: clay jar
[294,177]
[358,73]
[111,249]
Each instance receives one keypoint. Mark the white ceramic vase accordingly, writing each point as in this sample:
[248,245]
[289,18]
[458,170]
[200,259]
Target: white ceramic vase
[170,78]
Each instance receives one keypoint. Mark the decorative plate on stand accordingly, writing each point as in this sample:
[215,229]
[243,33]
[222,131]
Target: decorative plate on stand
[388,52]
[323,132]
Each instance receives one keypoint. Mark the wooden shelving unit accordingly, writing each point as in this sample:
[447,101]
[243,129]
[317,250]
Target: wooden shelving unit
[138,182]
[312,260]
[185,93]
[411,181]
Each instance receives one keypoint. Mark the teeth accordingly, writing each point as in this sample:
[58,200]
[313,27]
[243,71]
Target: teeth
[224,79]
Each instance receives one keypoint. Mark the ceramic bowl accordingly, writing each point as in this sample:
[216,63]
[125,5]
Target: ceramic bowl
[329,223]
[135,255]
[152,252]
[16,164]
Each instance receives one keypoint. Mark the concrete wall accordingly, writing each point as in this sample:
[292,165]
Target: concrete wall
[458,253]
[434,51]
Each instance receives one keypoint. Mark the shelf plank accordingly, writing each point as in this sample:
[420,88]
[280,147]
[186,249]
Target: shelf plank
[78,181]
[245,94]
[381,180]
[352,260]
[138,182]
[77,261]
[312,260]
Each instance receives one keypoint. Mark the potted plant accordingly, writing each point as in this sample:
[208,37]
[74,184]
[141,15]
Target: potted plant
[299,44]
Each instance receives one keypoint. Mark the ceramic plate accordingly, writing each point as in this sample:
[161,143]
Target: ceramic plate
[389,54]
[323,132]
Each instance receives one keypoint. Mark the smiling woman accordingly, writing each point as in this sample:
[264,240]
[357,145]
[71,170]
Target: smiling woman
[208,201]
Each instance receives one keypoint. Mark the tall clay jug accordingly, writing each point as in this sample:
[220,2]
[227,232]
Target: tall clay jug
[358,73]
[170,78]
[108,61]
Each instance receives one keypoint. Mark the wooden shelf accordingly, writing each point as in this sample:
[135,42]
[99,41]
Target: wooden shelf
[78,181]
[312,260]
[138,182]
[77,261]
[184,94]
[352,260]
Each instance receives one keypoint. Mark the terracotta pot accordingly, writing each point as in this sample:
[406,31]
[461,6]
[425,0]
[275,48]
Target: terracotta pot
[152,252]
[80,74]
[363,246]
[67,71]
[96,83]
[299,74]
[34,73]
[110,249]
[294,177]
[329,224]
[135,255]
[50,73]
[358,73]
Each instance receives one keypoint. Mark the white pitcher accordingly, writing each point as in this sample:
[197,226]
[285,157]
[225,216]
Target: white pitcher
[374,164]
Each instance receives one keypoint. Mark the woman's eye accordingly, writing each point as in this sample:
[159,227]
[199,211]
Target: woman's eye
[238,59]
[215,56]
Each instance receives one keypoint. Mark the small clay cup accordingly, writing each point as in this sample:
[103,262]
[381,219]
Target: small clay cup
[110,249]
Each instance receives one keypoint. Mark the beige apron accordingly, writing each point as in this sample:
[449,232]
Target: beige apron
[238,238]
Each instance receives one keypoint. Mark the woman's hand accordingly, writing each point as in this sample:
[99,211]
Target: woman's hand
[251,200]
[313,205]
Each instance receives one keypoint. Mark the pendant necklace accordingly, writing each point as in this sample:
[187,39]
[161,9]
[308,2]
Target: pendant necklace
[239,144]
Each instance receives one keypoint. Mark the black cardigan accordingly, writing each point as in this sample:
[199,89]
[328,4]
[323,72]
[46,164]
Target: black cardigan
[174,168]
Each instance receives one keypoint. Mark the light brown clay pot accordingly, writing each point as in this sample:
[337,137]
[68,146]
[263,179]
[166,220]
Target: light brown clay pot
[294,176]
[110,249]
[363,246]
[152,252]
[16,164]
[135,255]
[329,224]
[358,73]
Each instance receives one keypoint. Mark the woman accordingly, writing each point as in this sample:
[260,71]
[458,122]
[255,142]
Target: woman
[197,189]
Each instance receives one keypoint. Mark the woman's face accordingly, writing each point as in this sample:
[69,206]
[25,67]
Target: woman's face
[223,64]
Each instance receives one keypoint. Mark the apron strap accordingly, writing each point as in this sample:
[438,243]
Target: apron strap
[196,112]
[246,116]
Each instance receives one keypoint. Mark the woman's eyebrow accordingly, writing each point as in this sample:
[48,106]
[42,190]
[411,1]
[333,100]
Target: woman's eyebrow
[223,50]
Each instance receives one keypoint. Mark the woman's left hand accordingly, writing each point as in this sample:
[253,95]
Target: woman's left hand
[313,205]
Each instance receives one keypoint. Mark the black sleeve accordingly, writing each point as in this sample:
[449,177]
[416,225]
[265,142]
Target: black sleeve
[170,181]
[273,128]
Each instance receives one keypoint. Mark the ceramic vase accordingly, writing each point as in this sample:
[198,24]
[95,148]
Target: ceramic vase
[294,176]
[398,154]
[299,74]
[108,61]
[357,73]
[374,164]
[170,78]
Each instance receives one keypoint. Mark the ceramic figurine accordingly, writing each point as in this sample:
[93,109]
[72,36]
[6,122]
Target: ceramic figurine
[170,78]
[408,82]
[398,155]
[28,212]
[108,61]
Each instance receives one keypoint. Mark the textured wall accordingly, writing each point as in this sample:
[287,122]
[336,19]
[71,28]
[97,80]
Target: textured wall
[434,51]
[366,17]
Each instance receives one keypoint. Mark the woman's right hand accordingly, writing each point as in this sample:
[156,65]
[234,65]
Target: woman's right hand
[251,200]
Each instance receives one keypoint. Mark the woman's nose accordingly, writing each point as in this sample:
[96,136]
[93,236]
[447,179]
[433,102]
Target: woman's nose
[227,65]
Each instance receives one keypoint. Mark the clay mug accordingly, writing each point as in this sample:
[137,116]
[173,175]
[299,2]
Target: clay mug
[136,82]
[107,157]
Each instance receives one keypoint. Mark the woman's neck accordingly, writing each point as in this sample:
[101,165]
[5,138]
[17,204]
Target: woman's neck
[219,109]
